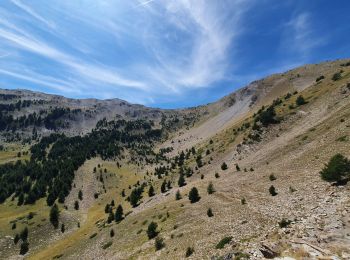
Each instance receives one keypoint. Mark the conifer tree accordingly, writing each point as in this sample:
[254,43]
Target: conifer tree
[76,205]
[152,230]
[181,181]
[16,239]
[107,208]
[237,167]
[110,217]
[151,191]
[24,234]
[210,188]
[163,187]
[119,213]
[194,195]
[178,195]
[54,215]
[210,213]
[24,248]
[63,228]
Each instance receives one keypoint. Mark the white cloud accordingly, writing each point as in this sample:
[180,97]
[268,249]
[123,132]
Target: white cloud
[180,45]
[31,12]
[300,35]
[50,82]
[212,27]
[85,70]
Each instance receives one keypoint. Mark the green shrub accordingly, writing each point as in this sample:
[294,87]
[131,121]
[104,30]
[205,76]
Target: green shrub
[336,169]
[320,78]
[342,139]
[210,188]
[178,195]
[224,166]
[76,205]
[284,223]
[105,246]
[336,76]
[210,213]
[237,167]
[300,101]
[241,256]
[152,230]
[267,116]
[159,243]
[189,251]
[272,190]
[223,242]
[272,177]
[93,235]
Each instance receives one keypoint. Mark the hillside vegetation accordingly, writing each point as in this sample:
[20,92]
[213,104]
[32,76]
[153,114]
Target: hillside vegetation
[261,173]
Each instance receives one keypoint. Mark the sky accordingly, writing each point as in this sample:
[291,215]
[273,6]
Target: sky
[163,53]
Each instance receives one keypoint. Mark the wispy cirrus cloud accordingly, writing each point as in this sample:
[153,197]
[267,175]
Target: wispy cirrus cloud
[202,60]
[300,35]
[33,13]
[53,83]
[209,29]
[85,70]
[152,51]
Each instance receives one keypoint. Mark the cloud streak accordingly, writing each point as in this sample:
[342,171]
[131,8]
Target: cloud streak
[149,50]
[300,34]
[212,28]
[86,71]
[34,14]
[50,82]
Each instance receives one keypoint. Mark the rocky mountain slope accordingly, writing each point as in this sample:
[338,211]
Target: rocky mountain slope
[254,157]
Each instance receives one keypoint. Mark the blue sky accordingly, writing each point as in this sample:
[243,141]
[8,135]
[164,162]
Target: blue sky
[163,53]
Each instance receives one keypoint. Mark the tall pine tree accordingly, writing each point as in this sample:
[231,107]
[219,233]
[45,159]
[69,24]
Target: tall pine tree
[54,215]
[119,213]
